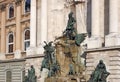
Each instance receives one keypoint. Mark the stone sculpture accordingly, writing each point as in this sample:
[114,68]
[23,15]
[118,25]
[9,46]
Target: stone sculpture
[62,59]
[100,74]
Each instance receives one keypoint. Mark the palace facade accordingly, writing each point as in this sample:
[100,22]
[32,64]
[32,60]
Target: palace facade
[26,24]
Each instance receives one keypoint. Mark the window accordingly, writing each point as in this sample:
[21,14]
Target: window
[26,39]
[10,42]
[27,5]
[8,76]
[11,11]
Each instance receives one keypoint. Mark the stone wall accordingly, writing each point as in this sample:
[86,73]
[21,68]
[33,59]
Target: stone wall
[16,69]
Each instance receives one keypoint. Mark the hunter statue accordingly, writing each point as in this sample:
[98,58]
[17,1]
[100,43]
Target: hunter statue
[100,74]
[49,62]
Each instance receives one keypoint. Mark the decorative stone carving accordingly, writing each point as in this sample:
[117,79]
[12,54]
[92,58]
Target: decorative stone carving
[18,2]
[3,7]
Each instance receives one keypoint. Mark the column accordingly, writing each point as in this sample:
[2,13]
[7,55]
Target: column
[95,18]
[18,30]
[33,24]
[33,35]
[96,29]
[113,16]
[43,20]
[43,27]
[81,17]
[3,33]
[113,38]
[38,22]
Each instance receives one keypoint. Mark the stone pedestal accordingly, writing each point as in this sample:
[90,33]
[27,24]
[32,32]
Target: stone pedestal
[118,40]
[112,40]
[2,56]
[44,75]
[65,79]
[94,42]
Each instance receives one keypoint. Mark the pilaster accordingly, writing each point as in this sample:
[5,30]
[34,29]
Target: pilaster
[3,34]
[113,38]
[18,30]
[96,29]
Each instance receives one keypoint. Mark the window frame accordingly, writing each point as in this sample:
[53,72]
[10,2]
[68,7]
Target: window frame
[11,5]
[27,40]
[11,43]
[6,75]
[25,9]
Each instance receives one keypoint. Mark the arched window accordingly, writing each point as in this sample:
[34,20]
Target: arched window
[10,42]
[27,5]
[26,39]
[8,76]
[11,11]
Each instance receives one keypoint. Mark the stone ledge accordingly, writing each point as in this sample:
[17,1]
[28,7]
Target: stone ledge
[103,49]
[12,60]
[34,56]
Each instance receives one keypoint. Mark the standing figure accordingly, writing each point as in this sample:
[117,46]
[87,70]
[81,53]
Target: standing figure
[70,31]
[31,75]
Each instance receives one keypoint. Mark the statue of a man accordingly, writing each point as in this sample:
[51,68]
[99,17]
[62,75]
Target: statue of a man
[100,74]
[70,31]
[71,21]
[31,74]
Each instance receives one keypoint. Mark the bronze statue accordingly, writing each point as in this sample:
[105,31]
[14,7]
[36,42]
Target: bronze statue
[70,31]
[45,63]
[31,75]
[71,69]
[54,69]
[79,38]
[100,74]
[49,50]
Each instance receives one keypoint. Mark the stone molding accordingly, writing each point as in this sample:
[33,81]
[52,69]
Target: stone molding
[18,2]
[103,49]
